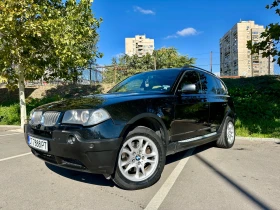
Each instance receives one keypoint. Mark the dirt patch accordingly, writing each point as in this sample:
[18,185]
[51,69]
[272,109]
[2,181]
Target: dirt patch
[64,91]
[7,96]
[106,87]
[40,91]
[69,91]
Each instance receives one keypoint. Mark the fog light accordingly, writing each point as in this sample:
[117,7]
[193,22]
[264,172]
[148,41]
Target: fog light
[71,139]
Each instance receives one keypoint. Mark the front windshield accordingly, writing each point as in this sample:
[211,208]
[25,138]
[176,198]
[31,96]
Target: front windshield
[161,80]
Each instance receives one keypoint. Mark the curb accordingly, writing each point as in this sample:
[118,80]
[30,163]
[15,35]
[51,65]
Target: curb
[14,128]
[276,140]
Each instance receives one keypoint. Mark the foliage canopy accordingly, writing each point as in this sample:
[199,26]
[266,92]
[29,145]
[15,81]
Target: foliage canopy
[125,66]
[269,46]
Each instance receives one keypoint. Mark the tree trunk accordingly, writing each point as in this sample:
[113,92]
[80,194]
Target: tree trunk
[21,97]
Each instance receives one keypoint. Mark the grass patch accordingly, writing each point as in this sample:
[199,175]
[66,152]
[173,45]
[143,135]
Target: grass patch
[263,129]
[257,103]
[10,115]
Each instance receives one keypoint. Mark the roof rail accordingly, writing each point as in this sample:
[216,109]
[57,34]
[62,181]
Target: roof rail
[195,67]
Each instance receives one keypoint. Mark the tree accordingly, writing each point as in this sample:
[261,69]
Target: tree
[36,35]
[270,38]
[125,66]
[170,58]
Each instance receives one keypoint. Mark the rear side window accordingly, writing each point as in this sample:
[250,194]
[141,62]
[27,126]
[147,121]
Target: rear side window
[208,83]
[221,88]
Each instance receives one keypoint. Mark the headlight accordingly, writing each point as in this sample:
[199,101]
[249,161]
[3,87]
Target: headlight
[31,114]
[35,117]
[85,117]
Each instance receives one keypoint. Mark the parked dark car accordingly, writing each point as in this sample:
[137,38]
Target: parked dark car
[127,133]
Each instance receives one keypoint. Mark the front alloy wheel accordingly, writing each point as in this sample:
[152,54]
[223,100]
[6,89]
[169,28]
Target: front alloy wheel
[138,158]
[141,159]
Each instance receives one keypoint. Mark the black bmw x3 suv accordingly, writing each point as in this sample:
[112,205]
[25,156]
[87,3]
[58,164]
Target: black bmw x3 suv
[127,133]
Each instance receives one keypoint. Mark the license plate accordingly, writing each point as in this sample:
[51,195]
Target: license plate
[38,143]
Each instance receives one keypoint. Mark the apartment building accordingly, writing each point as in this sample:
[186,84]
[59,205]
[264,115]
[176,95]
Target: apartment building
[139,45]
[236,58]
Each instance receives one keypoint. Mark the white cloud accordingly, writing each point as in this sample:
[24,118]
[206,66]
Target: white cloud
[187,32]
[144,11]
[171,36]
[184,32]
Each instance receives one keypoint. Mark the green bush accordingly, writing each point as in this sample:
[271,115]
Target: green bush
[10,109]
[10,115]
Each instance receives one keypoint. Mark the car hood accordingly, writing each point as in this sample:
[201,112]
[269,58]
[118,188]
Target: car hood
[98,101]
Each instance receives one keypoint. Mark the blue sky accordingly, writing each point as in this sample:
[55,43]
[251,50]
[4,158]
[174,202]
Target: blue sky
[192,27]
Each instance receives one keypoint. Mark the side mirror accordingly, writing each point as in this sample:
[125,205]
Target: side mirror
[189,88]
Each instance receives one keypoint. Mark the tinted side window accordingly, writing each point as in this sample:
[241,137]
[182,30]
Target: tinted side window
[190,77]
[208,84]
[221,89]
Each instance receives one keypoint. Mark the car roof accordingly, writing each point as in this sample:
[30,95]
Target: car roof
[188,67]
[185,68]
[191,67]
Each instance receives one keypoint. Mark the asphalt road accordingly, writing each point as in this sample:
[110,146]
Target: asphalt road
[246,176]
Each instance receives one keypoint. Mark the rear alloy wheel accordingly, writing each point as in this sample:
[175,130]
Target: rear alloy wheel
[227,137]
[141,159]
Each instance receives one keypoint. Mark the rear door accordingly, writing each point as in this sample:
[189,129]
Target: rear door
[216,98]
[218,105]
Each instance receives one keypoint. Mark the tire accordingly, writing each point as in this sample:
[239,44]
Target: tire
[141,160]
[227,138]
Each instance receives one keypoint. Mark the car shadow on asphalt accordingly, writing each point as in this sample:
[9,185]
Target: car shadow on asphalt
[180,155]
[99,179]
[95,179]
[197,153]
[241,189]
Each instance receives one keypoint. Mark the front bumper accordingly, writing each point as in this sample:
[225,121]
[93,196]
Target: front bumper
[88,155]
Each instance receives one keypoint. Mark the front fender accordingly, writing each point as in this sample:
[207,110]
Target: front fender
[147,115]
